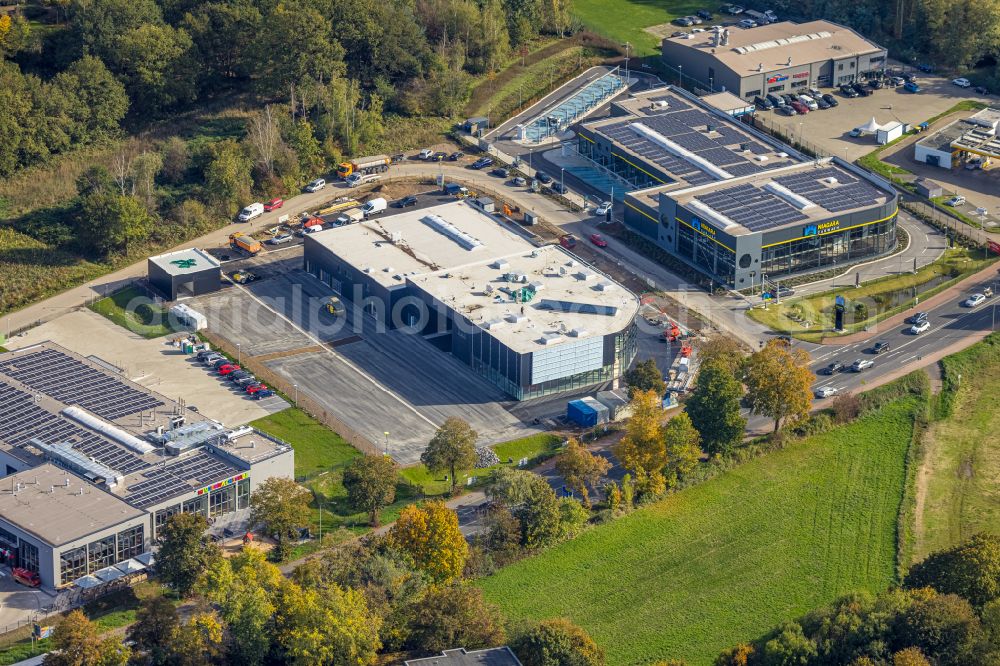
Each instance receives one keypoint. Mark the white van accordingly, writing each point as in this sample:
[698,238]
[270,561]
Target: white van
[250,212]
[316,185]
[809,102]
[356,179]
[374,206]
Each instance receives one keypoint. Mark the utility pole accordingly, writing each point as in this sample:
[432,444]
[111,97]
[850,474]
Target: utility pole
[628,46]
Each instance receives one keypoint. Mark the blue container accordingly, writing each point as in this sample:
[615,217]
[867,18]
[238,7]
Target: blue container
[581,413]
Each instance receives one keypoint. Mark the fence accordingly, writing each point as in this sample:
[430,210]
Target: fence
[302,400]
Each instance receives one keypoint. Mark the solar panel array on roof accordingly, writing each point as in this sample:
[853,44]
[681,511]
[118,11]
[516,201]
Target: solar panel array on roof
[847,193]
[22,420]
[751,207]
[687,127]
[189,473]
[72,382]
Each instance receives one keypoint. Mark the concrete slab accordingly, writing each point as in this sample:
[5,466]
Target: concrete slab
[152,363]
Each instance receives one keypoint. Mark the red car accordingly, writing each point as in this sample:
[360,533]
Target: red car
[254,388]
[800,107]
[227,369]
[26,577]
[567,241]
[273,204]
[598,240]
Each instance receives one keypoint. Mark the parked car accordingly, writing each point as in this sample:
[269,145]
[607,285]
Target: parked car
[243,277]
[821,103]
[250,212]
[862,364]
[518,181]
[683,21]
[705,14]
[425,154]
[559,188]
[982,90]
[238,375]
[254,388]
[974,300]
[916,318]
[677,33]
[280,239]
[911,86]
[456,156]
[830,99]
[920,327]
[273,204]
[861,90]
[848,91]
[833,368]
[734,9]
[439,156]
[880,347]
[809,102]
[316,185]
[877,84]
[218,363]
[543,178]
[800,107]
[500,172]
[747,23]
[246,381]
[924,67]
[786,110]
[203,354]
[775,100]
[228,369]
[210,358]
[825,392]
[695,20]
[482,163]
[567,241]
[763,103]
[956,200]
[789,98]
[263,393]
[962,82]
[406,202]
[598,240]
[604,208]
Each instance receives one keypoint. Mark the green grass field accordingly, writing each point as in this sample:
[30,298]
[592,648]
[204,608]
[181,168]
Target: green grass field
[723,561]
[958,494]
[131,308]
[625,20]
[818,309]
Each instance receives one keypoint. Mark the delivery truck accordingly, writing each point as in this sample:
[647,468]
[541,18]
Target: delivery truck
[364,165]
[243,242]
[350,216]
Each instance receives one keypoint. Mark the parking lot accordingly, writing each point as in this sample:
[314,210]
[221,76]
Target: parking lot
[374,381]
[830,129]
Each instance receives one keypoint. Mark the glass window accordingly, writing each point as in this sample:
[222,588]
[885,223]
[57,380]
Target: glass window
[72,565]
[130,543]
[101,553]
[243,494]
[28,556]
[197,505]
[160,517]
[222,501]
[8,538]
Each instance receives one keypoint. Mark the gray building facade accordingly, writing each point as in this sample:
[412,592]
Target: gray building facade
[190,272]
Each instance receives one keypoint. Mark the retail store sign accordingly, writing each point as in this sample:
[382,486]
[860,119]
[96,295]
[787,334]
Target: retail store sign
[800,75]
[821,228]
[222,484]
[777,78]
[702,227]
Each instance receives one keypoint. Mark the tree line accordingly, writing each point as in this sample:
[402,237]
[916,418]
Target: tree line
[339,63]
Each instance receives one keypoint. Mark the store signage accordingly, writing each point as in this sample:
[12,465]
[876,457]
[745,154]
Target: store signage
[777,78]
[821,228]
[702,227]
[222,484]
[800,75]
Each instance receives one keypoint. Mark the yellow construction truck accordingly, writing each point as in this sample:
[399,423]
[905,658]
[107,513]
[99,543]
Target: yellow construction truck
[364,165]
[248,244]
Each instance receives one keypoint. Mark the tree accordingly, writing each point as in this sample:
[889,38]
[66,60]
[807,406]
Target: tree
[943,626]
[910,656]
[724,350]
[714,408]
[281,507]
[681,444]
[155,630]
[557,642]
[430,535]
[581,469]
[642,449]
[645,376]
[970,570]
[185,552]
[371,484]
[501,537]
[100,100]
[789,647]
[452,448]
[197,642]
[453,615]
[265,137]
[778,380]
[107,222]
[77,644]
[531,501]
[736,656]
[227,176]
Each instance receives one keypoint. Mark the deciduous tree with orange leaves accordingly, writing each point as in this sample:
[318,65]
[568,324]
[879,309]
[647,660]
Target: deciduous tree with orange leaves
[581,469]
[430,535]
[778,379]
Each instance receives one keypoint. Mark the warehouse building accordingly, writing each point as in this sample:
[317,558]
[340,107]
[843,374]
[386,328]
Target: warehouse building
[782,57]
[190,272]
[533,321]
[974,137]
[94,464]
[734,203]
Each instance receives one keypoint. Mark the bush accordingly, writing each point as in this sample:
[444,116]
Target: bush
[846,408]
[814,425]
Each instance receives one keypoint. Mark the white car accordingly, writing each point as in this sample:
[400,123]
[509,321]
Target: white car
[974,300]
[425,154]
[604,208]
[956,200]
[962,82]
[920,327]
[862,364]
[316,185]
[809,102]
[825,392]
[280,239]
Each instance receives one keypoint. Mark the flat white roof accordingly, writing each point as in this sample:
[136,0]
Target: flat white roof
[191,260]
[420,241]
[533,299]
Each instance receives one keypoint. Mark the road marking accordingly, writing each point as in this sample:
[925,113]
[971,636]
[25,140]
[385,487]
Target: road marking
[349,364]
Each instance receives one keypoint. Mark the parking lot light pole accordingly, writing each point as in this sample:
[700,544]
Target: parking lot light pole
[562,180]
[680,76]
[296,389]
[239,353]
[385,450]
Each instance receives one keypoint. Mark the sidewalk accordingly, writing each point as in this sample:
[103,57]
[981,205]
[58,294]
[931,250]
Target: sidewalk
[951,293]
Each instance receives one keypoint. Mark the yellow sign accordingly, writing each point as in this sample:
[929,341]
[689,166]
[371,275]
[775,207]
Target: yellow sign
[827,227]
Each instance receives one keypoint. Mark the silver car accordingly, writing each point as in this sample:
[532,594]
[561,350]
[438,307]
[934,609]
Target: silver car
[825,392]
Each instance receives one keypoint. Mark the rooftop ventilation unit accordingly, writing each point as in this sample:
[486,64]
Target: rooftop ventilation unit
[494,324]
[515,318]
[681,152]
[797,200]
[585,276]
[551,338]
[606,286]
[830,180]
[578,333]
[500,264]
[448,229]
[537,286]
[784,41]
[75,461]
[113,432]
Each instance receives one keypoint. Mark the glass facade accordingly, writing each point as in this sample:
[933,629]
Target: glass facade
[28,556]
[714,258]
[8,539]
[222,501]
[624,353]
[242,494]
[102,553]
[837,248]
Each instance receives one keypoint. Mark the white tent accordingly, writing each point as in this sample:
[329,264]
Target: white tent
[871,126]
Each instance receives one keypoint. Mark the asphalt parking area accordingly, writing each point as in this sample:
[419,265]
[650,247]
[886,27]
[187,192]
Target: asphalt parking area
[830,129]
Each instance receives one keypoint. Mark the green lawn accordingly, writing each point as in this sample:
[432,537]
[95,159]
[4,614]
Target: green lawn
[725,560]
[624,20]
[818,310]
[535,448]
[958,494]
[131,308]
[317,448]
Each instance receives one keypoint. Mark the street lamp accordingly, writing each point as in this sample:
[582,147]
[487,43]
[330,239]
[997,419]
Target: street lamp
[239,353]
[680,75]
[711,84]
[627,47]
[296,388]
[562,182]
[385,451]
